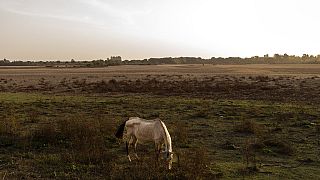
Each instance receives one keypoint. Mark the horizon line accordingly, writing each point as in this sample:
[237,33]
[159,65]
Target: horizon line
[132,59]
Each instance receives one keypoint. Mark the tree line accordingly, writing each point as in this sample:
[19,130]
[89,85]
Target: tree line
[117,60]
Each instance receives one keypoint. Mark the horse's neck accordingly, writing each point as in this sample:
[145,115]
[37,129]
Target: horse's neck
[167,138]
[169,144]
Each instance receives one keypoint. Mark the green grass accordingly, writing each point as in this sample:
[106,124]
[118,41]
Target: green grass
[51,136]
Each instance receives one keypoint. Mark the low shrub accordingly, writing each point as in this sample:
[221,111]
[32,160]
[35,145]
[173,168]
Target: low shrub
[279,146]
[249,127]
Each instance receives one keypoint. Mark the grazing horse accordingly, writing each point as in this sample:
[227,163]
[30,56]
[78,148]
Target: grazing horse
[142,130]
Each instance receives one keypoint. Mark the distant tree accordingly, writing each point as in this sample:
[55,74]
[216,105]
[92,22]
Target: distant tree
[6,61]
[277,56]
[305,57]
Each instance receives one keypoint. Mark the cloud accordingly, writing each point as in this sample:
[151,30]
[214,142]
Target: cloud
[125,12]
[48,15]
[39,9]
[95,12]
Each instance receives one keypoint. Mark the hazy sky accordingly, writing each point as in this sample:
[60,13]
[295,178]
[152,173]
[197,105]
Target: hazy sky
[94,29]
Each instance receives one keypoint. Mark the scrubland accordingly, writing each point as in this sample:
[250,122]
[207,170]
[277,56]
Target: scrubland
[249,121]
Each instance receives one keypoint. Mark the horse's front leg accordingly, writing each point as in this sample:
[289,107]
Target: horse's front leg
[157,152]
[135,142]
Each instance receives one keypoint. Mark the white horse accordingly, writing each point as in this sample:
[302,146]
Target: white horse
[141,130]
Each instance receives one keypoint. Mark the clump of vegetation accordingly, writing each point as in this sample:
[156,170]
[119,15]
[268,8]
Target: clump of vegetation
[180,135]
[191,164]
[86,139]
[9,126]
[249,126]
[45,85]
[45,135]
[262,78]
[196,160]
[32,116]
[249,154]
[9,131]
[277,145]
[268,145]
[203,113]
[83,143]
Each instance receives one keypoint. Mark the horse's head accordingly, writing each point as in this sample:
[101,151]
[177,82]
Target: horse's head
[168,156]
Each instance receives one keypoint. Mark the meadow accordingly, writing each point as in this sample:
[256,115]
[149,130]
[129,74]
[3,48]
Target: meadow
[226,121]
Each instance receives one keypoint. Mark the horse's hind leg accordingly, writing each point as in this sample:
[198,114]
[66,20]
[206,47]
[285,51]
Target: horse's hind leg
[127,148]
[158,150]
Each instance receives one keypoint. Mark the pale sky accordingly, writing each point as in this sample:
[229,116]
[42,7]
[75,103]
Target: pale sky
[137,29]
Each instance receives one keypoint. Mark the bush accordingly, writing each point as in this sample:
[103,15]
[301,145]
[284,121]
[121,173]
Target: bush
[249,127]
[44,135]
[9,126]
[86,139]
[180,134]
[279,146]
[266,145]
[194,164]
[249,153]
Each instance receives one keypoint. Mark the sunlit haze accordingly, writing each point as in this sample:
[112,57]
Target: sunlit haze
[94,29]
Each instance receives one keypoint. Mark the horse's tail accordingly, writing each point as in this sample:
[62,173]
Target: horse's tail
[119,133]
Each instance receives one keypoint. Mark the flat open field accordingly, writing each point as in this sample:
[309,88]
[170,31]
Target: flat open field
[140,71]
[226,121]
[285,82]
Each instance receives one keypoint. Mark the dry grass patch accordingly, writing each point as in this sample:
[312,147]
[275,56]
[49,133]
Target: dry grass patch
[180,134]
[249,126]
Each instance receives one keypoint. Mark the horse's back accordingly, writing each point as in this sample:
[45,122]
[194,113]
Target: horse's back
[146,130]
[134,121]
[138,121]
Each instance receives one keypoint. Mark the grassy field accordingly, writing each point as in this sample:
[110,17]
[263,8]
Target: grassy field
[229,125]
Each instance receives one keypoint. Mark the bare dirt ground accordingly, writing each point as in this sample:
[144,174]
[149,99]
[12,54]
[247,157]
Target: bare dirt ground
[131,70]
[281,82]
